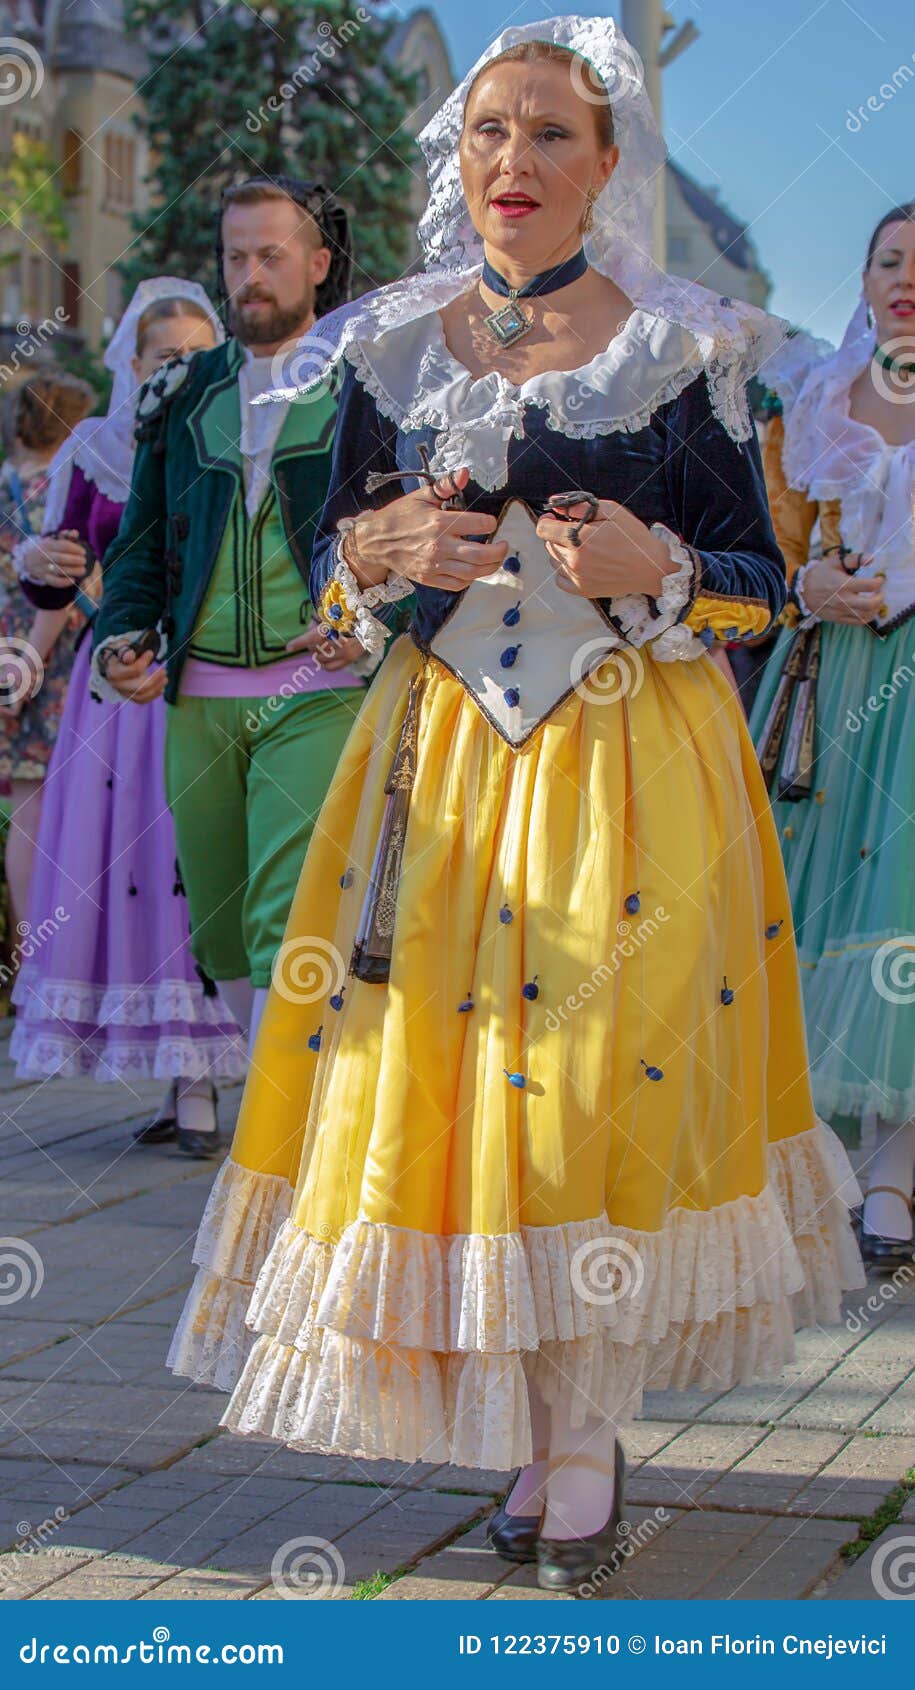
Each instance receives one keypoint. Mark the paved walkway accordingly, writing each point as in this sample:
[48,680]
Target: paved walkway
[115,1480]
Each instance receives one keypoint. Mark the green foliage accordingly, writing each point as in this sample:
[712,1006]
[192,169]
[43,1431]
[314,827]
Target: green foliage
[889,1512]
[30,200]
[285,87]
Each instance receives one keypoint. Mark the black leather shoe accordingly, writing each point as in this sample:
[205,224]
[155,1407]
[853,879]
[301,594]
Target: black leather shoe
[203,1146]
[580,1565]
[885,1255]
[163,1129]
[514,1536]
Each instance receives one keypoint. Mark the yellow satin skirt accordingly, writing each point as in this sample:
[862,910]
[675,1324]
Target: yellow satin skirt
[572,1139]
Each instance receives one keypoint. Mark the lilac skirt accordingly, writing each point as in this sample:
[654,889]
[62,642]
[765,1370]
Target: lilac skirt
[107,985]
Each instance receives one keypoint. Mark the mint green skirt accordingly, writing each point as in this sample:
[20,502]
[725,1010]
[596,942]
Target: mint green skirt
[850,858]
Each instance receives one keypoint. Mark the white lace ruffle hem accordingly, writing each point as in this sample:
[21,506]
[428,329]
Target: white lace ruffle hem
[402,1345]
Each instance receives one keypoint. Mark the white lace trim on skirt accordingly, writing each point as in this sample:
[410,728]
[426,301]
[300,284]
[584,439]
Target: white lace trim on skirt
[404,1345]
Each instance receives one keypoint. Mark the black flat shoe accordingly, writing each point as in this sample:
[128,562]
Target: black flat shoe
[203,1146]
[163,1129]
[885,1255]
[514,1536]
[580,1565]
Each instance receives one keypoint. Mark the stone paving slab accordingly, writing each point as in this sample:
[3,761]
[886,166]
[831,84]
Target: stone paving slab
[885,1567]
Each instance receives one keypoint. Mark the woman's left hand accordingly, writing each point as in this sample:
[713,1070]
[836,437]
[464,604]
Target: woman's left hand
[618,553]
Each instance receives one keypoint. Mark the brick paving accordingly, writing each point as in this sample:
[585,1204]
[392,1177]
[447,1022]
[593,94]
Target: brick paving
[116,1481]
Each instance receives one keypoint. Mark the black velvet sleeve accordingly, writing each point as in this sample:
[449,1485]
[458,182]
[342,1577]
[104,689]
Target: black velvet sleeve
[364,440]
[718,499]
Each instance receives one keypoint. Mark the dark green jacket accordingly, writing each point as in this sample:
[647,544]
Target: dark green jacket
[186,478]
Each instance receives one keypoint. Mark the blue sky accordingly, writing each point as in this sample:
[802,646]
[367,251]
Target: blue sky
[759,106]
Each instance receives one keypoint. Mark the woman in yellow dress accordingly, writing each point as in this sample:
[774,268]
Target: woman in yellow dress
[528,1126]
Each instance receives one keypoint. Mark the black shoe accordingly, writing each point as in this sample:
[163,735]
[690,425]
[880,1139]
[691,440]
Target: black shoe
[885,1255]
[581,1564]
[514,1536]
[203,1146]
[163,1129]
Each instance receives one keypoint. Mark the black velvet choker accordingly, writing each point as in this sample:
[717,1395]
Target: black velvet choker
[510,322]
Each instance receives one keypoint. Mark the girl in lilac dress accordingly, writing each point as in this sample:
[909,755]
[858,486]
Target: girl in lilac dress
[110,989]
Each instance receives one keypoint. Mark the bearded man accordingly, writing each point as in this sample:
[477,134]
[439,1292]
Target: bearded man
[214,550]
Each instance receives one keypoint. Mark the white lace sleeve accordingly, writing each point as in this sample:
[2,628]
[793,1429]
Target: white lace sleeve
[671,641]
[346,608]
[20,561]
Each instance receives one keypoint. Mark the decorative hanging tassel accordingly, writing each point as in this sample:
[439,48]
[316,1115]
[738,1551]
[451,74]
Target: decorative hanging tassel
[371,958]
[797,767]
[788,732]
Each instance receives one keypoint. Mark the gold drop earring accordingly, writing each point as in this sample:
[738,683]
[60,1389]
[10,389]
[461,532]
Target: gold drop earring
[587,223]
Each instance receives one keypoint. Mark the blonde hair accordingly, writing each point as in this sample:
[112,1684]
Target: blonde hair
[161,309]
[533,52]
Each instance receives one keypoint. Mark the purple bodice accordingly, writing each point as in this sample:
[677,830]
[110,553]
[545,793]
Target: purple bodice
[95,517]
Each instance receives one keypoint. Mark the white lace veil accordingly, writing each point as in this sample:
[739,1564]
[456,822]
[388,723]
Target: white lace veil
[808,374]
[103,447]
[733,338]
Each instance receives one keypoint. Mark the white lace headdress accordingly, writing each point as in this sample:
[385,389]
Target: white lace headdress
[812,379]
[103,447]
[731,338]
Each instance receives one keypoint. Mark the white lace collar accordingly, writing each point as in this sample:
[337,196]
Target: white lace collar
[418,383]
[827,453]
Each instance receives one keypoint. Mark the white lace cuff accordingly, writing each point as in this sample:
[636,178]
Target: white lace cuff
[101,688]
[18,556]
[671,641]
[346,608]
[797,588]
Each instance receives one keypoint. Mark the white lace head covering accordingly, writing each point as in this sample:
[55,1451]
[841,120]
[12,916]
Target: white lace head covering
[732,338]
[812,379]
[103,447]
[828,454]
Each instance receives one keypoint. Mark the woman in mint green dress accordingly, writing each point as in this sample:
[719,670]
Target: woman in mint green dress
[834,719]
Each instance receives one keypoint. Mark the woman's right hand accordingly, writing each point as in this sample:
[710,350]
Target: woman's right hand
[55,558]
[837,594]
[413,536]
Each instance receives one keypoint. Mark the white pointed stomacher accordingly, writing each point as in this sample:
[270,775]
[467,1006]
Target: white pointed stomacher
[561,637]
